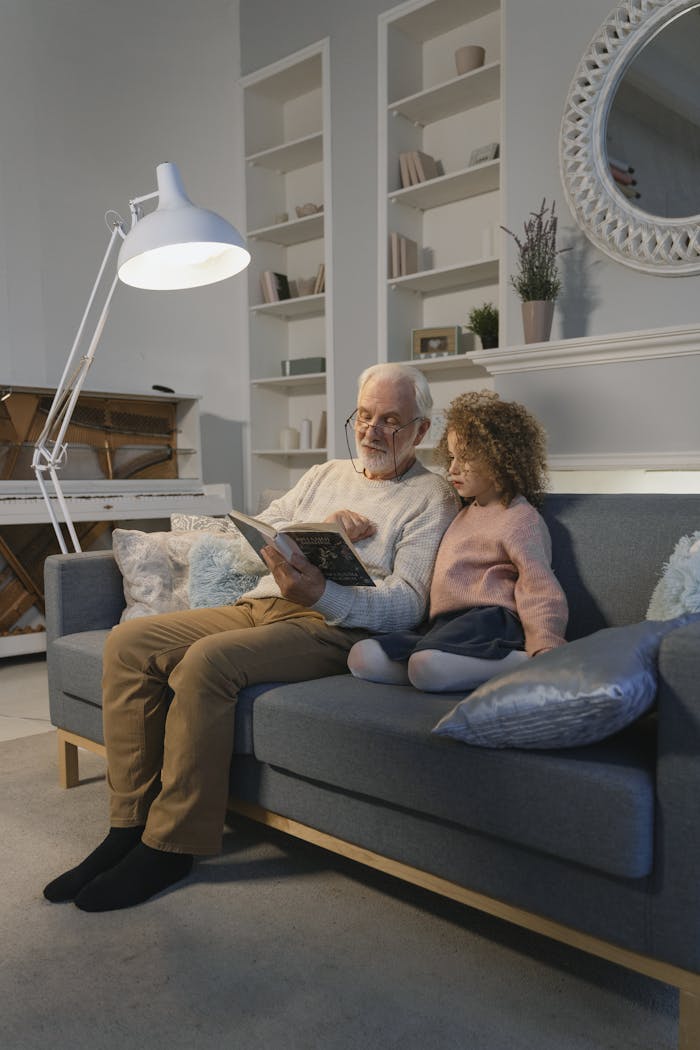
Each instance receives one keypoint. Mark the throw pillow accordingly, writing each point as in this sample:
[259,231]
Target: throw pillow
[155,570]
[678,590]
[197,522]
[574,695]
[217,573]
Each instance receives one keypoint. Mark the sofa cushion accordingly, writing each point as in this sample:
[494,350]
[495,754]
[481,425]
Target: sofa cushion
[577,694]
[77,660]
[591,805]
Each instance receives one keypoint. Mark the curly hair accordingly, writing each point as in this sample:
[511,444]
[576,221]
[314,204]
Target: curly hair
[507,440]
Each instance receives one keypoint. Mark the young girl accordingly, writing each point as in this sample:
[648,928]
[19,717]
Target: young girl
[494,599]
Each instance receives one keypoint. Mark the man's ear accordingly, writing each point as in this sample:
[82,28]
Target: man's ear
[422,431]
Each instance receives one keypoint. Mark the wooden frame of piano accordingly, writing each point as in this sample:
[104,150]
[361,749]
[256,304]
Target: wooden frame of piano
[142,449]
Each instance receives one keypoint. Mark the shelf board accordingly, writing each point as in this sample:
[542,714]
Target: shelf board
[290,156]
[296,231]
[288,309]
[431,20]
[292,384]
[456,186]
[448,278]
[289,80]
[453,364]
[454,96]
[297,453]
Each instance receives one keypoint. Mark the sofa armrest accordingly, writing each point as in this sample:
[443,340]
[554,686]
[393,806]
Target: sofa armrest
[84,592]
[675,899]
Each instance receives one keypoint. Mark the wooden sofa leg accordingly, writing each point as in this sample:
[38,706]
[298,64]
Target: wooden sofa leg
[68,773]
[689,1020]
[68,744]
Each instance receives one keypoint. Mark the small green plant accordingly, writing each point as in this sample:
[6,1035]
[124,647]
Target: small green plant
[483,321]
[538,277]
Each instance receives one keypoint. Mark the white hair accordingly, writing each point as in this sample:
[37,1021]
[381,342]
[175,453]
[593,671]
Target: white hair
[402,374]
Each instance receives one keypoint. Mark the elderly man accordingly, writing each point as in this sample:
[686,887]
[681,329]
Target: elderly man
[170,682]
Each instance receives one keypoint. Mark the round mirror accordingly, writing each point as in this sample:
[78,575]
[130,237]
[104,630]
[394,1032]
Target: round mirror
[652,138]
[630,137]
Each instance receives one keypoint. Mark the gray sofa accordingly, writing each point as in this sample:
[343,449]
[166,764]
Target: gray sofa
[596,846]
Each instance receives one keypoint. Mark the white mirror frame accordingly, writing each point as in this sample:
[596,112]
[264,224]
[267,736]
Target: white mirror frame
[662,246]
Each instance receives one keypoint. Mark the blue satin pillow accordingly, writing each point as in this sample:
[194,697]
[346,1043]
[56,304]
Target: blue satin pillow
[571,696]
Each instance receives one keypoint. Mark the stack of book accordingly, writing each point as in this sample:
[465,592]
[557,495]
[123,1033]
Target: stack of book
[403,255]
[416,167]
[274,286]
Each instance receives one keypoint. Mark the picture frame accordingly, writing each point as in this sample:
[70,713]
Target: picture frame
[483,153]
[435,342]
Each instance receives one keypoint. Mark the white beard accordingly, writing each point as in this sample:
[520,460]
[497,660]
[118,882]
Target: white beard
[376,460]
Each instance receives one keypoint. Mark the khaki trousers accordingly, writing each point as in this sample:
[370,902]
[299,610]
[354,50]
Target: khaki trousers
[169,754]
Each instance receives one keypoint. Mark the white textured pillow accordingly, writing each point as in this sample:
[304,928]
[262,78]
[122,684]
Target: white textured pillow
[201,522]
[155,570]
[678,590]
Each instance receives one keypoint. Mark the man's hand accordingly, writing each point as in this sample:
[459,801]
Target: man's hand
[355,526]
[298,580]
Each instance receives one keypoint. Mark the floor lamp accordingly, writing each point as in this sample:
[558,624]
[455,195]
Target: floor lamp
[178,245]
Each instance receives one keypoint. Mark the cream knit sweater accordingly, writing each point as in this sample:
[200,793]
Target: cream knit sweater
[411,516]
[496,555]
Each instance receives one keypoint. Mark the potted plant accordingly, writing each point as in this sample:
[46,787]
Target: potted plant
[483,321]
[537,281]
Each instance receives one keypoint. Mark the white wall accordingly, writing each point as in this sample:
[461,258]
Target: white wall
[544,43]
[93,94]
[614,408]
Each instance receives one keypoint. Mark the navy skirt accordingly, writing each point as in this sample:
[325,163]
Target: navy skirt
[488,632]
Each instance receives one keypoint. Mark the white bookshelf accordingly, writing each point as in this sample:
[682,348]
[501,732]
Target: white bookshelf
[454,218]
[287,148]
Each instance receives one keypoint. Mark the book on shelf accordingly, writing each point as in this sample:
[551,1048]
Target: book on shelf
[403,170]
[412,170]
[425,165]
[408,256]
[416,167]
[324,544]
[394,256]
[403,256]
[275,286]
[320,285]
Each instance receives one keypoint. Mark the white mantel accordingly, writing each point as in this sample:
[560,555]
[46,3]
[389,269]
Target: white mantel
[618,348]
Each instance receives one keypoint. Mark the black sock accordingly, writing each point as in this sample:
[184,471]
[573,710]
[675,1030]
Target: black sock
[140,875]
[118,843]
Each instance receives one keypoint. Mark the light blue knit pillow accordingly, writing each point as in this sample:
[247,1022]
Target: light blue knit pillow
[219,571]
[678,590]
[567,697]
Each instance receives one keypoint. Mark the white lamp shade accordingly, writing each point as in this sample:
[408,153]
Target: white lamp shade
[179,245]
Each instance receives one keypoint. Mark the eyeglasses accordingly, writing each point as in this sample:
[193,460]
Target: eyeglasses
[382,430]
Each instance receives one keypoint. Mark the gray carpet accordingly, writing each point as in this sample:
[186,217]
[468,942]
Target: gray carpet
[276,944]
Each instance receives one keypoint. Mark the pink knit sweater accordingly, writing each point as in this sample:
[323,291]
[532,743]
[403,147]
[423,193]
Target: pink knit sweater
[496,555]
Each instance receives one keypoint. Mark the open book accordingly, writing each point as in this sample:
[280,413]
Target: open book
[323,543]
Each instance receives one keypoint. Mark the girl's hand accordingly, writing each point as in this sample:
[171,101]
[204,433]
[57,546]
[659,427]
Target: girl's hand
[355,526]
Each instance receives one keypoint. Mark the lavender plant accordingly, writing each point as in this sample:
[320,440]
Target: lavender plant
[538,276]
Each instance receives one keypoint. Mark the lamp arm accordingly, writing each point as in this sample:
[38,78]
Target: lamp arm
[50,453]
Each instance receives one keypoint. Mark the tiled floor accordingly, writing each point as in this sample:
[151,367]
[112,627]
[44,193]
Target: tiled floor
[24,696]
